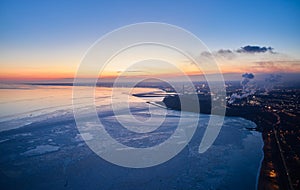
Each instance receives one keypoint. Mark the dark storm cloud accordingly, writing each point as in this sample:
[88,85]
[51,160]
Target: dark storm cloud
[255,49]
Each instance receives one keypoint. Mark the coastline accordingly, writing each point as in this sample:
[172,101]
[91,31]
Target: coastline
[49,140]
[217,167]
[265,121]
[261,121]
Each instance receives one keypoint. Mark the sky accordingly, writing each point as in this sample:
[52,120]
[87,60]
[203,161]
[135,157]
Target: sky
[48,39]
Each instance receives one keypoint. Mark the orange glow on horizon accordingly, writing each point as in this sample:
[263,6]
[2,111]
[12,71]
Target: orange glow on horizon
[58,76]
[58,73]
[38,75]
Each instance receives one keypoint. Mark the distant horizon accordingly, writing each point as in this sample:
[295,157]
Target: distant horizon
[194,78]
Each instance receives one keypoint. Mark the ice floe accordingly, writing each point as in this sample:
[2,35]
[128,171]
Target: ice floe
[41,149]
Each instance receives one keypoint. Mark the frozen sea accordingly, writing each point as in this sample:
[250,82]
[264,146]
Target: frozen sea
[41,148]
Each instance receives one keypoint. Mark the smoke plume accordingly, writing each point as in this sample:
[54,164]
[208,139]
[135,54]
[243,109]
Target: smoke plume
[248,85]
[271,81]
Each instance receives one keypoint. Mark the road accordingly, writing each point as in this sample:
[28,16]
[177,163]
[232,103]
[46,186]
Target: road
[276,125]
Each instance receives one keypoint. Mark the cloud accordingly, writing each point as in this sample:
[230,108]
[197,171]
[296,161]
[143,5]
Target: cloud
[206,54]
[268,66]
[248,75]
[276,66]
[257,59]
[224,51]
[255,49]
[231,54]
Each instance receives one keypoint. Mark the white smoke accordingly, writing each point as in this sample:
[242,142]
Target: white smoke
[249,88]
[271,81]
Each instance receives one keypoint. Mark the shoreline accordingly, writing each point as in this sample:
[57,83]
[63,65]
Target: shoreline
[265,121]
[184,172]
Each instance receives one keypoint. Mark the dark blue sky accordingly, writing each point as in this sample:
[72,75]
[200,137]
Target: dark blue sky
[220,24]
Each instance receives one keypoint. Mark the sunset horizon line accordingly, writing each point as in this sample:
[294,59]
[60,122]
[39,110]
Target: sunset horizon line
[62,78]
